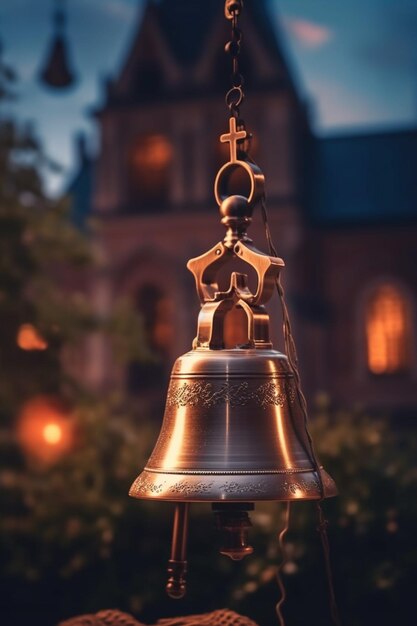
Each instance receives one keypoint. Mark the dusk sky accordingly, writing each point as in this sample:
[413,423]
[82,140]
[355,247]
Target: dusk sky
[356,62]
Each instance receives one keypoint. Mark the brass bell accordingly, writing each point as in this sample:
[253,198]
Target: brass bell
[57,72]
[234,429]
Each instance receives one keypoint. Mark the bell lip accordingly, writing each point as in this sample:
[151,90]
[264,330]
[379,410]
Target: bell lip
[265,487]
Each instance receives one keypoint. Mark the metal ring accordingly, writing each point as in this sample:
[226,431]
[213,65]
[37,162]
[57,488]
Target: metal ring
[237,80]
[234,97]
[223,177]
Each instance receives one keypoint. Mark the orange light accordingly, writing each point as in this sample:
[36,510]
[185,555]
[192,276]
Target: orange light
[28,338]
[45,429]
[387,331]
[152,152]
[52,433]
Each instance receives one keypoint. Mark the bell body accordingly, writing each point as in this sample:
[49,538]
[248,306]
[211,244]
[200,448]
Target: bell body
[233,430]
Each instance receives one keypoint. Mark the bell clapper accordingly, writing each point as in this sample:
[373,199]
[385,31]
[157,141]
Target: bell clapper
[232,519]
[177,565]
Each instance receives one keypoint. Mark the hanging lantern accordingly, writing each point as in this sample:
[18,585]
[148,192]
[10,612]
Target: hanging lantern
[235,426]
[57,72]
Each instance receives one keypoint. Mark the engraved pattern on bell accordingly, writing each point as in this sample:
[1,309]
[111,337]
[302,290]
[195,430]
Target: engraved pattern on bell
[239,488]
[238,394]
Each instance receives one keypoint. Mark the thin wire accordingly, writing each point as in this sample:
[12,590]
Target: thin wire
[322,528]
[291,353]
[284,560]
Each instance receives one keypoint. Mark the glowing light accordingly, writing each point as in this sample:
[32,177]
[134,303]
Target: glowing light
[297,492]
[387,331]
[52,433]
[29,338]
[150,162]
[153,152]
[45,429]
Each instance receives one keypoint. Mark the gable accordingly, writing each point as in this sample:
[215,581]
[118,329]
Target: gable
[149,68]
[179,46]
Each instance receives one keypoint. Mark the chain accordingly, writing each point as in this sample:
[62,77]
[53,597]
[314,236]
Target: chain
[235,95]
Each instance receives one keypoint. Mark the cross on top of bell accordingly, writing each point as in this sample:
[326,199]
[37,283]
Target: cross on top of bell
[233,137]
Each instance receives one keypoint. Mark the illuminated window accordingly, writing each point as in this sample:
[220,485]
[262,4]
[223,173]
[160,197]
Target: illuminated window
[388,331]
[150,162]
[29,338]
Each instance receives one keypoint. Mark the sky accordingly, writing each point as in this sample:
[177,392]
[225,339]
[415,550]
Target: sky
[355,62]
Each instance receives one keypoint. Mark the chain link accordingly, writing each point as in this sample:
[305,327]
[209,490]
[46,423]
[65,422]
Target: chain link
[235,95]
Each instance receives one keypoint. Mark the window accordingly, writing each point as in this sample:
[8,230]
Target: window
[156,311]
[388,331]
[149,168]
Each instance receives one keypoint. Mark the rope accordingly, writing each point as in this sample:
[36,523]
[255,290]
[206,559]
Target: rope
[284,559]
[292,356]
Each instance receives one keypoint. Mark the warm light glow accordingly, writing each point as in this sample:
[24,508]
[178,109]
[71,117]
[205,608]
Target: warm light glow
[163,329]
[52,433]
[387,331]
[28,338]
[282,437]
[45,429]
[152,152]
[149,171]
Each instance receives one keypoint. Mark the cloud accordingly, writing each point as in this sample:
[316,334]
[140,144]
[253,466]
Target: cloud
[120,9]
[308,34]
[334,104]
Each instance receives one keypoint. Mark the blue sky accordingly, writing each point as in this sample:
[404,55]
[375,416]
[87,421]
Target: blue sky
[356,62]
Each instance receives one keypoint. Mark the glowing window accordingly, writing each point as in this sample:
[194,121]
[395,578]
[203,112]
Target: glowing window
[29,338]
[388,331]
[150,162]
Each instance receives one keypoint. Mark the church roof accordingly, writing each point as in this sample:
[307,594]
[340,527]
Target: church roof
[364,178]
[168,51]
[186,25]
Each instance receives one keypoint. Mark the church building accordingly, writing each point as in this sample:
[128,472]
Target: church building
[342,209]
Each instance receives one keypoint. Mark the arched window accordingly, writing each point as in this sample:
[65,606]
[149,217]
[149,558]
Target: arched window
[156,311]
[149,170]
[388,331]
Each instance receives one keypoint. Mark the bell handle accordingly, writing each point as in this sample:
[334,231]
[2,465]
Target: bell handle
[210,332]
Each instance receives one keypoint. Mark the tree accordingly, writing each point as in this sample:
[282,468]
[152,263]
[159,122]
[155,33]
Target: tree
[68,454]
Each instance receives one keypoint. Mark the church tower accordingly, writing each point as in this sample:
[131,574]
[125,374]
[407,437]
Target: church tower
[160,127]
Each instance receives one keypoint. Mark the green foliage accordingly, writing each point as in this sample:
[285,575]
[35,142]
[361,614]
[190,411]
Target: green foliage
[371,527]
[60,519]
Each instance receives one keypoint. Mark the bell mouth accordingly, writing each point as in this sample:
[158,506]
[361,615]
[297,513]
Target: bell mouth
[279,485]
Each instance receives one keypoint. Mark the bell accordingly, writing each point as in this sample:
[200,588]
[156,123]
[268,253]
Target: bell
[57,71]
[234,430]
